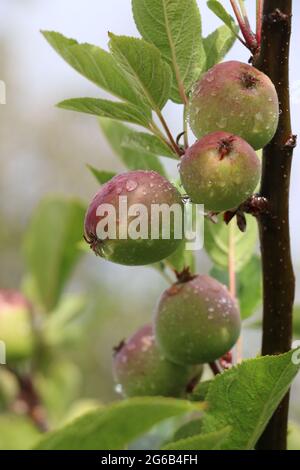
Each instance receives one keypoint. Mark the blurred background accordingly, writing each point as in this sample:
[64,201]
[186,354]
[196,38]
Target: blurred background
[44,150]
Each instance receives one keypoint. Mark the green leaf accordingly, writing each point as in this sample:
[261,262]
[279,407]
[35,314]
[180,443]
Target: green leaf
[296,317]
[293,437]
[144,67]
[246,396]
[147,143]
[216,242]
[221,13]
[174,26]
[105,108]
[117,133]
[64,325]
[97,65]
[51,249]
[249,285]
[17,432]
[217,44]
[210,441]
[200,391]
[189,429]
[101,176]
[117,425]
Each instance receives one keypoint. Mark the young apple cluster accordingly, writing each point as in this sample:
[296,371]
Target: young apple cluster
[233,111]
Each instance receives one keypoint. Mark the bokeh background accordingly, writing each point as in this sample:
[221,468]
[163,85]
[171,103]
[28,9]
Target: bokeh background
[45,150]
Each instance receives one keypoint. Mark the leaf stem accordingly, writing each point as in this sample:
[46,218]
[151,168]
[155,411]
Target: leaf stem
[250,38]
[245,14]
[168,132]
[156,131]
[259,17]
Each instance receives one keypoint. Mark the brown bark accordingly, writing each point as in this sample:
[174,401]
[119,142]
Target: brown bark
[278,275]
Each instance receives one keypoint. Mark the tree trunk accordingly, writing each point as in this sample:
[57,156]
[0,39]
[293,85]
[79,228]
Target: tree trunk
[278,275]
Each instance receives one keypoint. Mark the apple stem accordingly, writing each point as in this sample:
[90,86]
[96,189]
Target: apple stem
[215,368]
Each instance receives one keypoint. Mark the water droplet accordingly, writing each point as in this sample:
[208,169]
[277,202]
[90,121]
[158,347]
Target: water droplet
[221,123]
[118,388]
[131,185]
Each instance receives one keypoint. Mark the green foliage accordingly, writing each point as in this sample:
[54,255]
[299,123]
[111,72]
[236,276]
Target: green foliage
[200,391]
[142,64]
[293,437]
[188,429]
[115,426]
[217,44]
[296,316]
[246,396]
[216,237]
[147,143]
[58,385]
[101,176]
[97,65]
[249,285]
[116,133]
[209,441]
[65,324]
[17,432]
[175,29]
[104,108]
[220,11]
[144,74]
[50,247]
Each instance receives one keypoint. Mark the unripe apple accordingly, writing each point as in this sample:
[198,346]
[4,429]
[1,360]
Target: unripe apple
[196,321]
[236,98]
[149,191]
[15,325]
[140,368]
[220,171]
